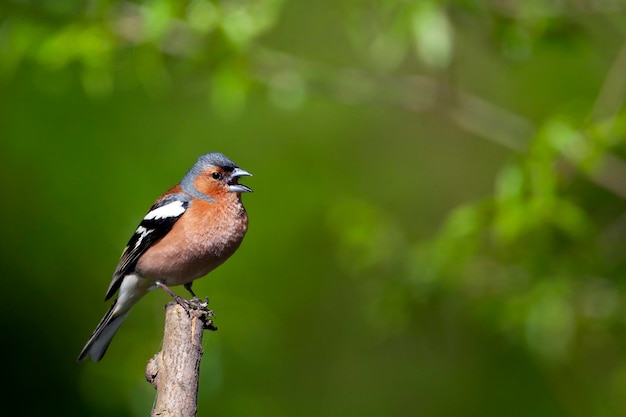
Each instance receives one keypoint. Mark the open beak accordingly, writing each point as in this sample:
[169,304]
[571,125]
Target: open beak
[233,184]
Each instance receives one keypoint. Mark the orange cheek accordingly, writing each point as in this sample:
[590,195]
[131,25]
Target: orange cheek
[209,186]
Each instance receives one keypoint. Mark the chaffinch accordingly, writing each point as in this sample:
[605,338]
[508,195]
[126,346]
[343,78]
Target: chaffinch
[190,230]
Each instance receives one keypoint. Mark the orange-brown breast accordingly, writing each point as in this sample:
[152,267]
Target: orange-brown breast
[202,239]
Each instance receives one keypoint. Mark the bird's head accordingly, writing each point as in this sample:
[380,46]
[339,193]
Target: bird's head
[214,176]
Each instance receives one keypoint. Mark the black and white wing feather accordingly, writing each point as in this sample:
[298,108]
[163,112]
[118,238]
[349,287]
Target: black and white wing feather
[157,223]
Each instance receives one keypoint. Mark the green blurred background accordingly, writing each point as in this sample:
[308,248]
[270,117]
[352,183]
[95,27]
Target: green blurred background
[438,226]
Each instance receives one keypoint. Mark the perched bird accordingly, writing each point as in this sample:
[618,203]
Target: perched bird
[190,230]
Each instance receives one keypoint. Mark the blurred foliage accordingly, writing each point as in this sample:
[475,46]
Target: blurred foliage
[438,226]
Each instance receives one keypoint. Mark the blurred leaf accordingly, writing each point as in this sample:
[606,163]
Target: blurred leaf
[243,21]
[550,321]
[157,18]
[433,35]
[203,16]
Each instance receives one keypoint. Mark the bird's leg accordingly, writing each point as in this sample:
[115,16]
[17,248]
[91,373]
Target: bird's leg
[194,303]
[180,300]
[188,288]
[194,298]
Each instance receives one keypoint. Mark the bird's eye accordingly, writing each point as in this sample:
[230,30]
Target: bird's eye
[216,175]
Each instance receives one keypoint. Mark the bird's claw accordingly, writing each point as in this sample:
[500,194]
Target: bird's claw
[208,325]
[196,304]
[193,304]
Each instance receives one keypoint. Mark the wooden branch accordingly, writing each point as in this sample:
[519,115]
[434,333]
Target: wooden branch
[175,370]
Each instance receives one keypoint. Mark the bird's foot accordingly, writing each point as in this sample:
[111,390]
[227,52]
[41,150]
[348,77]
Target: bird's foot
[198,305]
[193,304]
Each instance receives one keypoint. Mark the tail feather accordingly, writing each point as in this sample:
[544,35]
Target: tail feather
[101,338]
[131,289]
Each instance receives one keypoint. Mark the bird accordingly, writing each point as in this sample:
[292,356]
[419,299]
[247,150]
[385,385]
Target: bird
[190,230]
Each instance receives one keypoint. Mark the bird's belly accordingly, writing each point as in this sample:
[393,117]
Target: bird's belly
[172,265]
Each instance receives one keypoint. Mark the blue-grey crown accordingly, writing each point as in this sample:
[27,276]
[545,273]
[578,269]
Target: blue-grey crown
[207,160]
[216,159]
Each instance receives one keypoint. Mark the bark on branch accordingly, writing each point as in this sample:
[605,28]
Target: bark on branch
[175,370]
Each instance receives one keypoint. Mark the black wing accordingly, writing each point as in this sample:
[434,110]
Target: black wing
[157,223]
